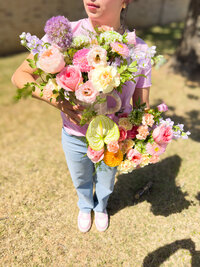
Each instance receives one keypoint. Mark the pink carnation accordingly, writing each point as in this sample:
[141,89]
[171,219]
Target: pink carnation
[80,60]
[154,159]
[163,134]
[155,149]
[148,119]
[162,107]
[123,133]
[142,132]
[86,93]
[120,49]
[51,60]
[113,146]
[131,38]
[69,78]
[134,156]
[94,155]
[132,133]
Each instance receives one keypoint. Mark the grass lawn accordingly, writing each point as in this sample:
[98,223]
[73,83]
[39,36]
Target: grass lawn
[38,211]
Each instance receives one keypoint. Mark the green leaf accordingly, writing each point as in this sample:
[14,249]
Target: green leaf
[31,63]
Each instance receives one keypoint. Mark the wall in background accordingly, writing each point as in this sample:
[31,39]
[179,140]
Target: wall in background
[30,16]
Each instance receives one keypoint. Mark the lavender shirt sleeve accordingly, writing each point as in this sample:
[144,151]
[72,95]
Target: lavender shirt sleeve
[144,82]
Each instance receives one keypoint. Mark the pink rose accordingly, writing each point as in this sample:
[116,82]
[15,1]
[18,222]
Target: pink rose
[113,146]
[86,93]
[80,60]
[69,78]
[163,134]
[123,133]
[132,133]
[131,38]
[134,156]
[51,60]
[94,155]
[155,149]
[162,107]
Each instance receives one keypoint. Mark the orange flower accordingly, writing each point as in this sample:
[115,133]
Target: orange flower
[113,159]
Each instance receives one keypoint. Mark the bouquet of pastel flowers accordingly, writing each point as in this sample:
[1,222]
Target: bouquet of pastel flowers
[86,69]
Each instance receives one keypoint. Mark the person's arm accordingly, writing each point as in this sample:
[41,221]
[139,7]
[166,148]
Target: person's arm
[143,95]
[24,74]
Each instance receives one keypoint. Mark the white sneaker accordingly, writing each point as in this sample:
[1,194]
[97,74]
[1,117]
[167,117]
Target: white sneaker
[101,221]
[84,221]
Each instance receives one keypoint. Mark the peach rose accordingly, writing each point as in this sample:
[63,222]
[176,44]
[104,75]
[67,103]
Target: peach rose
[51,60]
[124,122]
[148,119]
[86,93]
[69,78]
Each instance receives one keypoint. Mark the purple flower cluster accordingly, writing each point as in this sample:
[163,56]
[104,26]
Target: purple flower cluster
[59,31]
[32,43]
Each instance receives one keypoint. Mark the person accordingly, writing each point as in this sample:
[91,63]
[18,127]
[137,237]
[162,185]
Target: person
[100,12]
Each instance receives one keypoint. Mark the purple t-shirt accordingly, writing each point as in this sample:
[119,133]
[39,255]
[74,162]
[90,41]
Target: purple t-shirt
[127,90]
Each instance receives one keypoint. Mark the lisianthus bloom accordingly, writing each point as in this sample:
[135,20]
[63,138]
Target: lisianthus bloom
[97,56]
[143,132]
[80,60]
[120,49]
[123,133]
[94,155]
[126,166]
[131,134]
[124,122]
[155,149]
[163,134]
[80,40]
[134,156]
[125,145]
[113,159]
[86,92]
[162,107]
[131,38]
[113,146]
[69,78]
[147,119]
[104,79]
[51,60]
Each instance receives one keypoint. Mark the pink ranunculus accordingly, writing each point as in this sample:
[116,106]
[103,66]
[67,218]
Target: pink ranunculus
[131,38]
[113,146]
[155,149]
[94,155]
[69,78]
[162,107]
[163,134]
[148,119]
[120,49]
[123,133]
[80,60]
[132,133]
[134,156]
[86,93]
[154,159]
[143,132]
[51,60]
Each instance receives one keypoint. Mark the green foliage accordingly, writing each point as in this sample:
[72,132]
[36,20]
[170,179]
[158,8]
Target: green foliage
[31,63]
[25,92]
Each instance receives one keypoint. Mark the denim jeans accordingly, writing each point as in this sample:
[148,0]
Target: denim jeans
[84,177]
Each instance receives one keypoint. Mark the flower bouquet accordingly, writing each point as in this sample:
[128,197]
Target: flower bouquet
[138,140]
[84,69]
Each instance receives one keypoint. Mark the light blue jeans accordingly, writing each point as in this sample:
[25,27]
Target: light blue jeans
[84,176]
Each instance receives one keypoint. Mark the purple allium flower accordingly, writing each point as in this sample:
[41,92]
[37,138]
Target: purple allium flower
[59,31]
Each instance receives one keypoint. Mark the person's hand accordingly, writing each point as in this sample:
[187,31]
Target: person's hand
[72,112]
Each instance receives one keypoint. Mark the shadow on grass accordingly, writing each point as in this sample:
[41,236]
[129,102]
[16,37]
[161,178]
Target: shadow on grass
[191,120]
[159,256]
[166,197]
